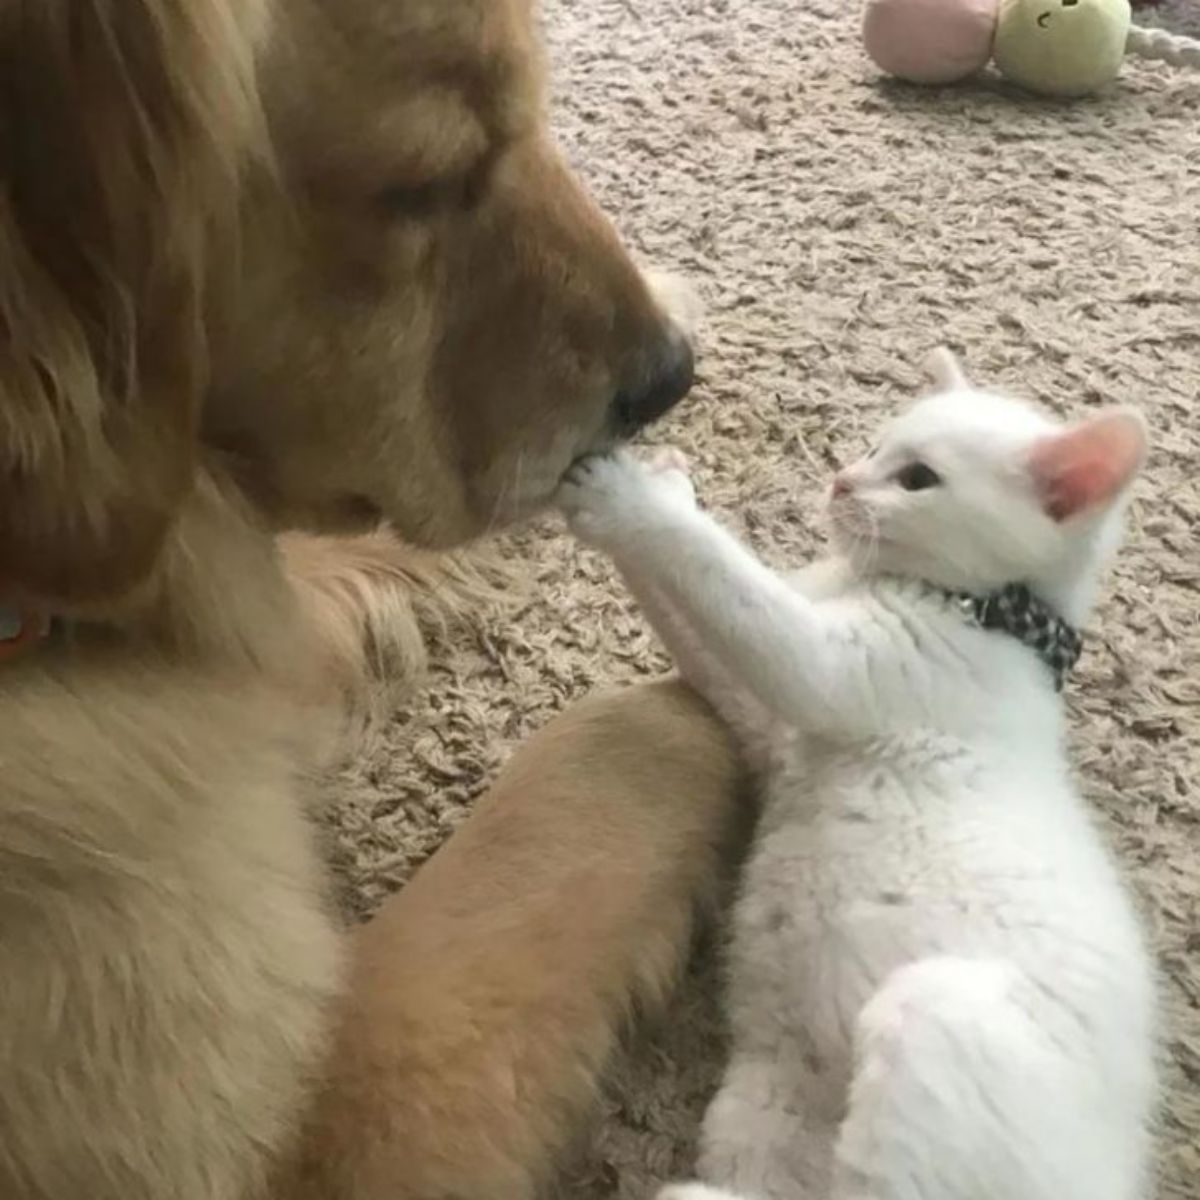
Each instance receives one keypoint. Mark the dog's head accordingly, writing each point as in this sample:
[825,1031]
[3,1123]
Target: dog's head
[414,313]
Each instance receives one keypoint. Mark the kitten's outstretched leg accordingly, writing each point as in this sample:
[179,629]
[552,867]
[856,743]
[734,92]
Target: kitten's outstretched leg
[735,704]
[764,634]
[957,1092]
[696,663]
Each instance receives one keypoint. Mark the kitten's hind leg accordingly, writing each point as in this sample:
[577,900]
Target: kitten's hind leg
[696,1191]
[769,1132]
[959,1092]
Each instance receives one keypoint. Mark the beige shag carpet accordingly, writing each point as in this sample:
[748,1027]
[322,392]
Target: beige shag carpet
[839,226]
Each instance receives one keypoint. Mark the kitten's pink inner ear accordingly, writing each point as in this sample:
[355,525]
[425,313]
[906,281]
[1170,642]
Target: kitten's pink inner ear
[1090,465]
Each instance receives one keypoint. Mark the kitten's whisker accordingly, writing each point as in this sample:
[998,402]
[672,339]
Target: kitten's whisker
[508,492]
[872,538]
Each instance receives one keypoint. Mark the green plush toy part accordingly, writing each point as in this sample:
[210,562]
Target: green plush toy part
[1062,47]
[1075,47]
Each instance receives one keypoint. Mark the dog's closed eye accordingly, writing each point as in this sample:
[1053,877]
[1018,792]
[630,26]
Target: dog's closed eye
[427,198]
[415,201]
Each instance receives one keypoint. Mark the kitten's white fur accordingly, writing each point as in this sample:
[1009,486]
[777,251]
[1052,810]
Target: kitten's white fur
[938,989]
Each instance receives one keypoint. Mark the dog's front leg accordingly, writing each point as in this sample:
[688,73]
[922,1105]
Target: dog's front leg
[487,997]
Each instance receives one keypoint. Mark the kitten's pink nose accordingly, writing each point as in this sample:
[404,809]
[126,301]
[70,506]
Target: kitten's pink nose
[842,485]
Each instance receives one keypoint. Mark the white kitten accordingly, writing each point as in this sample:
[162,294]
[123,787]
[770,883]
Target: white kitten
[938,989]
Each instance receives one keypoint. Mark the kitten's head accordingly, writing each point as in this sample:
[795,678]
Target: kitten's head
[971,490]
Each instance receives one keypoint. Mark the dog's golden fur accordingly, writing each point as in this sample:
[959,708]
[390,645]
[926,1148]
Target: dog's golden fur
[487,996]
[310,264]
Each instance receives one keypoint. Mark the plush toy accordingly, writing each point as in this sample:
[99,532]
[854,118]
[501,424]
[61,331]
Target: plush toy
[1053,47]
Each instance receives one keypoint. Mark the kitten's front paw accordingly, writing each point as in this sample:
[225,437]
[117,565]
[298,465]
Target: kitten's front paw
[668,465]
[605,496]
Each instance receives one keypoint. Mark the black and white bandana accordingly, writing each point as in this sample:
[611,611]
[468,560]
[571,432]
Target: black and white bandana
[1015,610]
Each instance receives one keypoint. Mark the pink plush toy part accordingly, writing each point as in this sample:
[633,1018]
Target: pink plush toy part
[930,41]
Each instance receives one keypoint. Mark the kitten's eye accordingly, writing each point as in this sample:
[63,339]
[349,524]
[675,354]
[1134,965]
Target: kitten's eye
[917,476]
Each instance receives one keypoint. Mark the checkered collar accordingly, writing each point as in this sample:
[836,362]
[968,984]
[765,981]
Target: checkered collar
[1015,610]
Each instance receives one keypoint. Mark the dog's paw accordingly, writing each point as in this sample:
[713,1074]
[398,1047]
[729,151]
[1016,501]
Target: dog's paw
[607,496]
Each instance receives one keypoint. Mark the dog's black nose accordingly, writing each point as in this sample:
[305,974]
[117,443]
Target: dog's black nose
[659,388]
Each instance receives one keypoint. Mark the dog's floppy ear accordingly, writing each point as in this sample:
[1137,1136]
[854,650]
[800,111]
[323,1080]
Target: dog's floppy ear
[123,127]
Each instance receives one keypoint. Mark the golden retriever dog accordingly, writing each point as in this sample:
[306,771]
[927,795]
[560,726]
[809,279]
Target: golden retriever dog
[277,272]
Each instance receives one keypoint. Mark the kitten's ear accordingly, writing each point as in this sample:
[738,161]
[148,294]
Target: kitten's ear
[945,370]
[1090,464]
